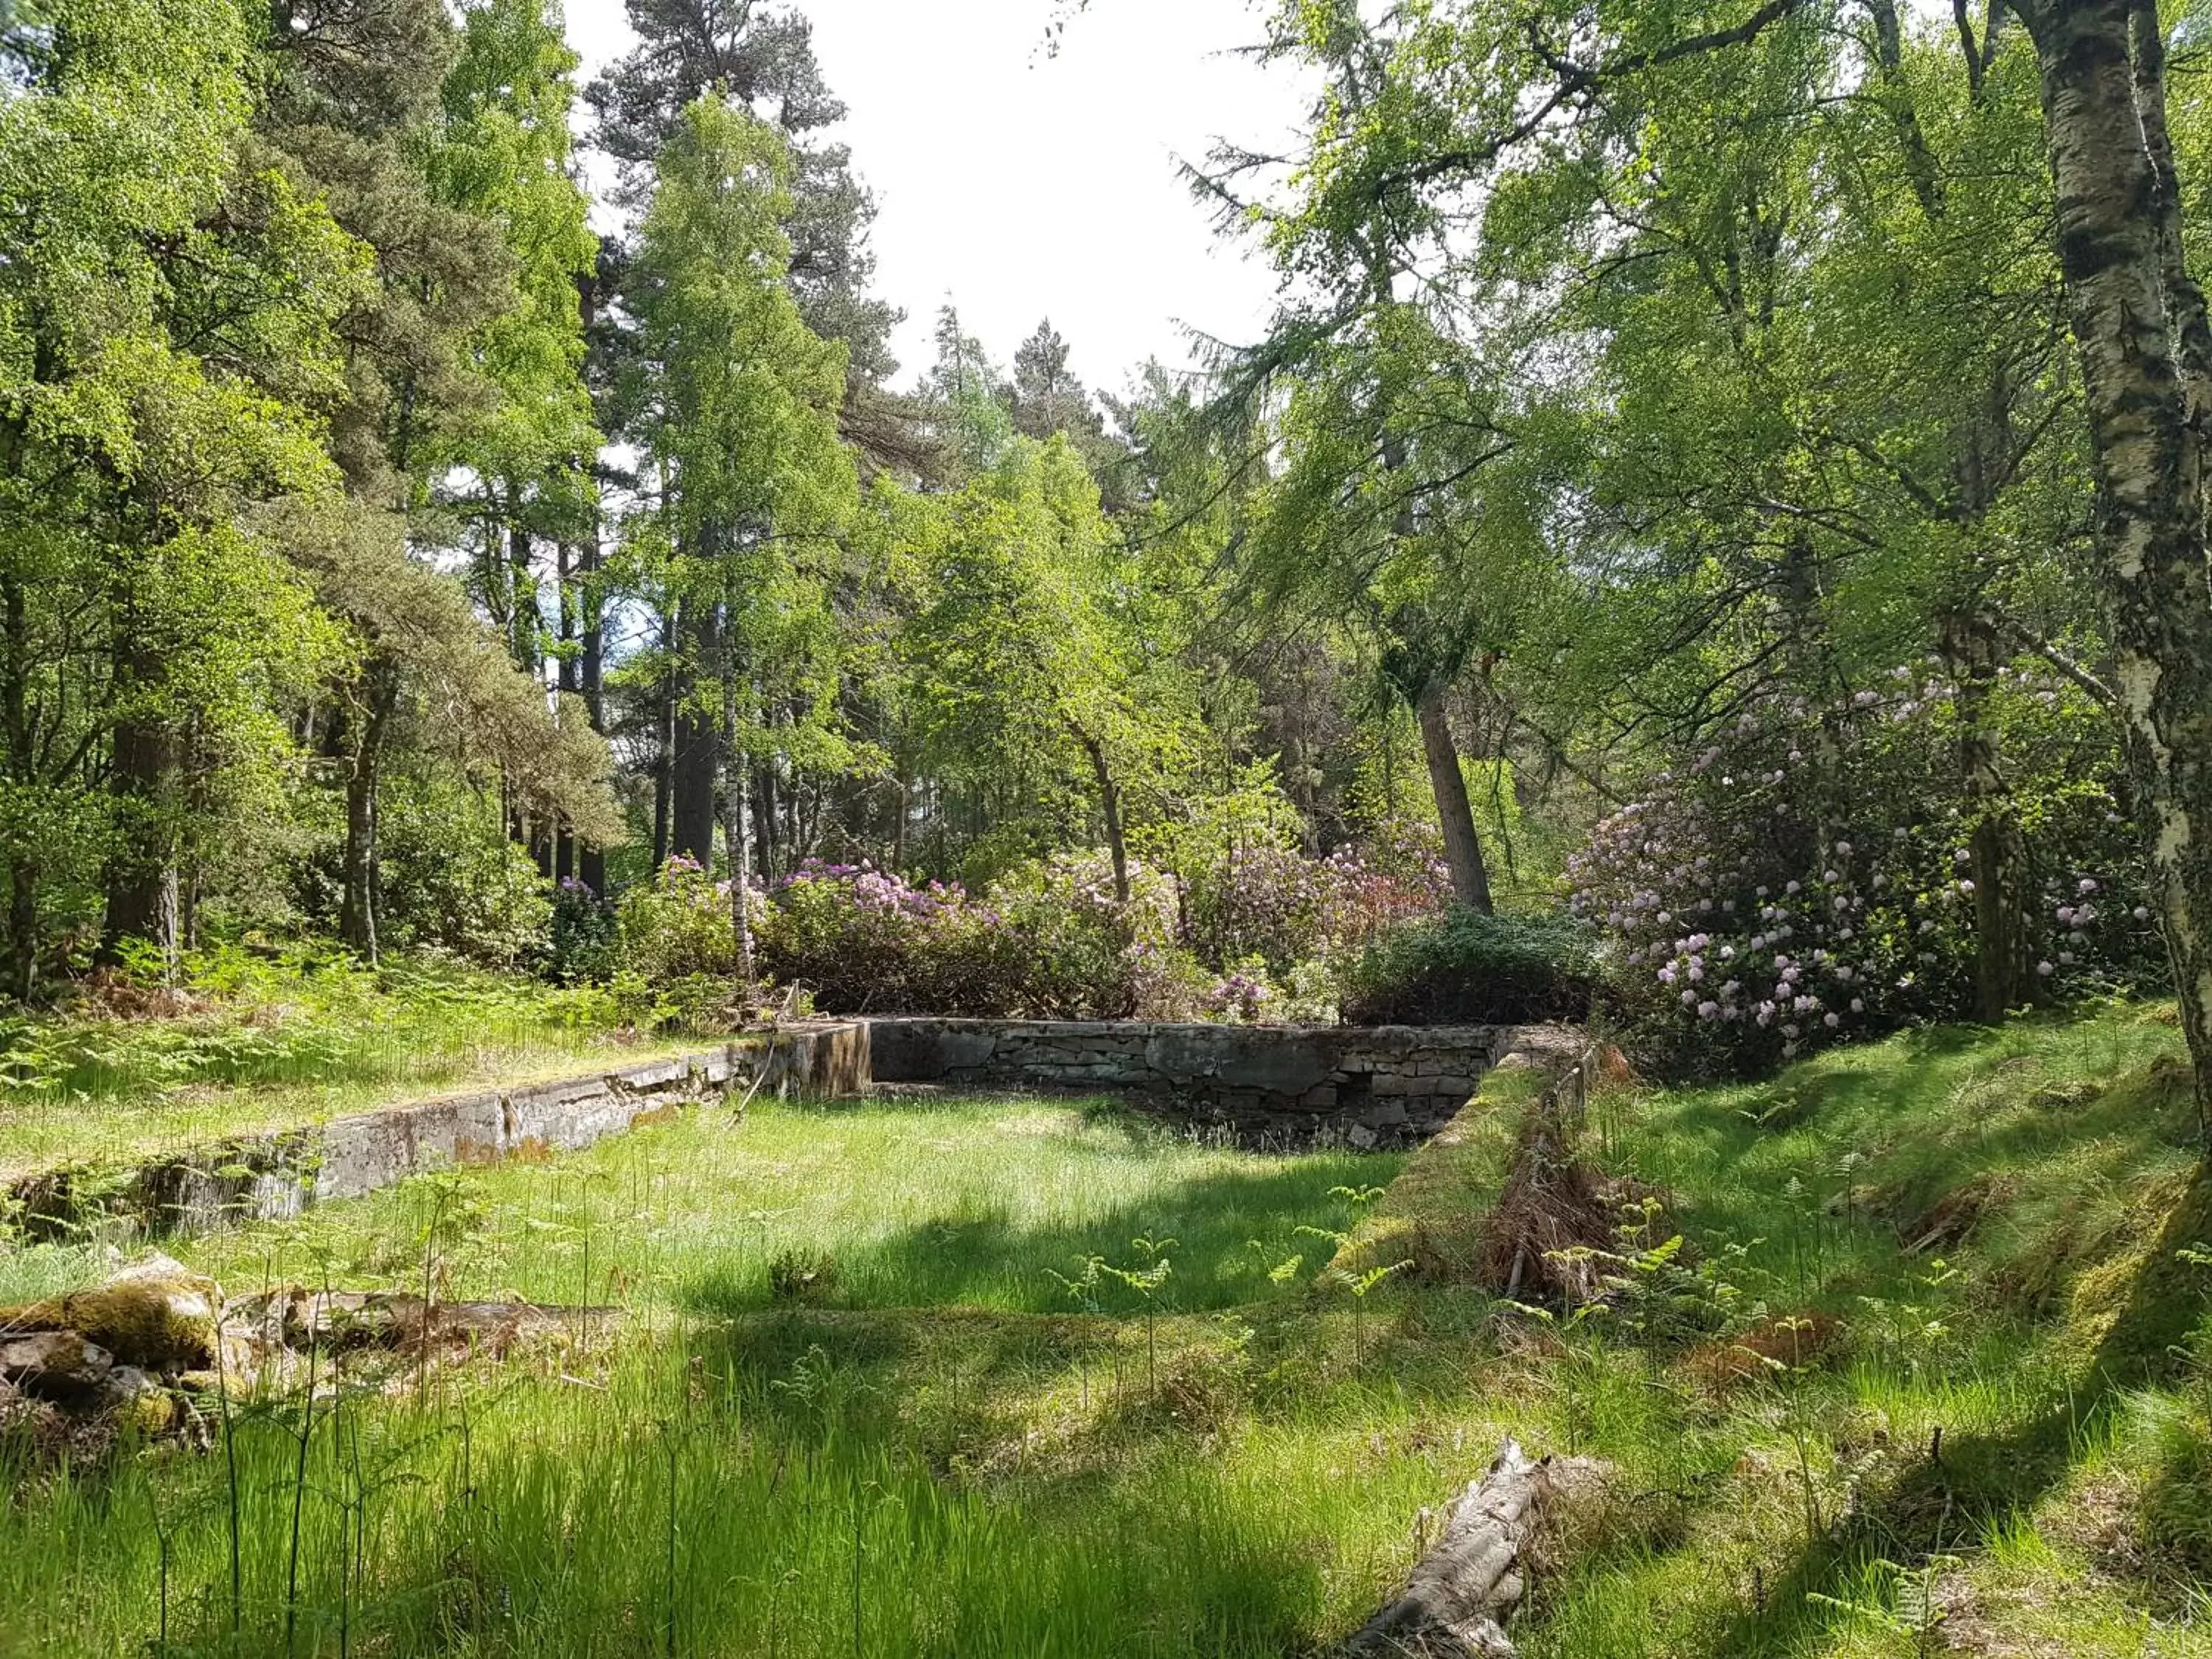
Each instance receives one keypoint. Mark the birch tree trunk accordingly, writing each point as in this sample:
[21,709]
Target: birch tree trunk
[2146,351]
[1110,802]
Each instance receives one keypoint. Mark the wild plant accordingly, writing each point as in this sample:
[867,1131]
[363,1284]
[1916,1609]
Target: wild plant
[1147,1281]
[1082,1289]
[1581,1366]
[1901,1600]
[1350,1244]
[822,1389]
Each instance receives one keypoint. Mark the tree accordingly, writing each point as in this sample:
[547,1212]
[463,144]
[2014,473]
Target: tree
[2139,323]
[1428,131]
[737,416]
[762,61]
[446,156]
[1027,650]
[1048,399]
[168,334]
[503,154]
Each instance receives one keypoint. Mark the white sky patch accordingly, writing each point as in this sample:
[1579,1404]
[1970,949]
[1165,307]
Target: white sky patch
[1023,186]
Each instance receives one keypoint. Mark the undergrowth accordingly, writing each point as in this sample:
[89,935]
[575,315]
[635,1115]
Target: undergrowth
[1905,1352]
[251,1040]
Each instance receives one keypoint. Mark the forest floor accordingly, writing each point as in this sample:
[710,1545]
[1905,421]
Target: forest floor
[1018,1377]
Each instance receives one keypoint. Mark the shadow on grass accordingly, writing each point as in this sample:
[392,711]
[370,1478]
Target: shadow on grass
[1955,1492]
[1228,1229]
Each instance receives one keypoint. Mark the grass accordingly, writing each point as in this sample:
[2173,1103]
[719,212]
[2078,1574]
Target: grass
[938,1449]
[254,1044]
[899,1204]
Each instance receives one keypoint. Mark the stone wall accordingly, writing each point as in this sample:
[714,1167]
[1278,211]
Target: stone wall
[264,1177]
[1374,1085]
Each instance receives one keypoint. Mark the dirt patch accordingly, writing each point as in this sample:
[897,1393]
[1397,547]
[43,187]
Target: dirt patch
[1951,1219]
[1770,1346]
[1970,1625]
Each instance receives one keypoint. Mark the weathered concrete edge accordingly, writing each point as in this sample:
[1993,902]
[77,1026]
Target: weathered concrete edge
[1383,1084]
[278,1175]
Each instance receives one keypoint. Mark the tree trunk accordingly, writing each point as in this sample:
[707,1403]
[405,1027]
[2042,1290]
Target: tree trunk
[737,775]
[357,906]
[564,840]
[523,620]
[1996,847]
[768,831]
[592,861]
[2139,324]
[1470,880]
[664,736]
[142,869]
[1457,1597]
[691,782]
[1110,801]
[16,762]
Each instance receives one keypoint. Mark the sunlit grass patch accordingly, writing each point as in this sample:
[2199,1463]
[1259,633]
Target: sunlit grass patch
[899,1203]
[257,1045]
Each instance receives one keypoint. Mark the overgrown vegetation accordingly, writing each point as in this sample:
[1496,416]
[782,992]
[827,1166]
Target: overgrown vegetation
[1711,537]
[1905,1350]
[247,1040]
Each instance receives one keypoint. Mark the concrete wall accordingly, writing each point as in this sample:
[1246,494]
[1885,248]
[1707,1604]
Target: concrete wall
[1374,1085]
[264,1177]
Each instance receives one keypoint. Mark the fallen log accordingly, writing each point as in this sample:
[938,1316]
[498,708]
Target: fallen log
[158,1315]
[1459,1595]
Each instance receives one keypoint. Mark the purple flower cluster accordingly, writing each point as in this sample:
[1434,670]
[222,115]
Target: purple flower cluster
[1772,900]
[1283,907]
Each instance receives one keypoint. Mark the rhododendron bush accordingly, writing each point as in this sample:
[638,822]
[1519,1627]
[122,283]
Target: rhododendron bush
[1254,937]
[1807,876]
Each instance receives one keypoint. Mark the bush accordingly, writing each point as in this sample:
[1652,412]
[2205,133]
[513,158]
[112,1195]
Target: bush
[1051,942]
[1806,876]
[1464,968]
[1249,894]
[1090,957]
[865,941]
[584,941]
[676,927]
[448,877]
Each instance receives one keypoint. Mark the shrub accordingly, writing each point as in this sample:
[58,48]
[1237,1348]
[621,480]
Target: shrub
[1090,957]
[1248,893]
[584,940]
[1468,967]
[449,877]
[676,926]
[1806,876]
[863,939]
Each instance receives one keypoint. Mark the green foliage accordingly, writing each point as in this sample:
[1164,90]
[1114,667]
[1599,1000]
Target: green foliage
[1468,967]
[451,881]
[676,926]
[255,1037]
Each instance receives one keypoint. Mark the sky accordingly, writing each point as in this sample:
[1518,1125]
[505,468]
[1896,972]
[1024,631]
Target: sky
[1023,185]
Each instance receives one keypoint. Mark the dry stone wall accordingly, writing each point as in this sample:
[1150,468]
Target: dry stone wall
[267,1178]
[1371,1085]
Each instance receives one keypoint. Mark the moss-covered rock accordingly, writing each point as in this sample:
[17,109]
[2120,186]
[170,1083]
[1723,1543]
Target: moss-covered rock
[158,1315]
[138,1402]
[54,1364]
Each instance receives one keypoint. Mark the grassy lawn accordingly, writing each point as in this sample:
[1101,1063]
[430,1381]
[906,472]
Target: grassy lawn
[253,1045]
[892,1204]
[941,1449]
